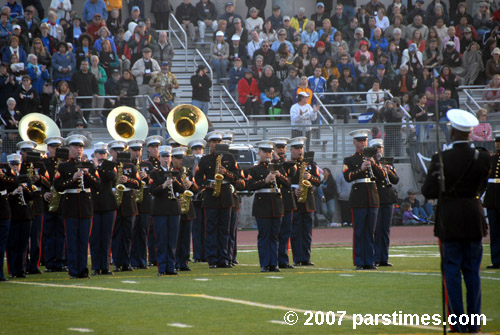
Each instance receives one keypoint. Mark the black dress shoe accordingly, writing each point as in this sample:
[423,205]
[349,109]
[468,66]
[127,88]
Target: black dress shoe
[185,268]
[493,266]
[49,270]
[224,266]
[117,269]
[369,267]
[175,273]
[106,273]
[286,266]
[264,269]
[212,266]
[73,277]
[297,264]
[143,267]
[34,272]
[360,267]
[84,273]
[59,269]
[96,272]
[274,269]
[307,264]
[20,275]
[3,279]
[384,264]
[127,268]
[161,274]
[235,262]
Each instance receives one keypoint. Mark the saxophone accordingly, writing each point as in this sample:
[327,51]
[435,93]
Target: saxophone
[185,199]
[218,177]
[120,188]
[56,196]
[304,185]
[140,193]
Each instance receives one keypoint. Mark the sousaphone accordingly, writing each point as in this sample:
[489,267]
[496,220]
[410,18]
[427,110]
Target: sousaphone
[185,123]
[126,124]
[37,127]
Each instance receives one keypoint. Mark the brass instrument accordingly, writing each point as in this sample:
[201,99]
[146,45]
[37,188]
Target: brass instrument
[140,193]
[119,188]
[186,123]
[218,177]
[37,127]
[56,196]
[274,184]
[369,152]
[21,195]
[125,124]
[185,198]
[304,185]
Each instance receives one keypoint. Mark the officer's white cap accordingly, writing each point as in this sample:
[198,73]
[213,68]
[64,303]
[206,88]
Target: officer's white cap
[117,144]
[360,133]
[54,140]
[215,135]
[76,140]
[154,140]
[14,158]
[280,140]
[265,145]
[26,145]
[135,143]
[100,147]
[462,120]
[197,143]
[172,142]
[179,151]
[376,142]
[297,141]
[228,134]
[226,141]
[165,150]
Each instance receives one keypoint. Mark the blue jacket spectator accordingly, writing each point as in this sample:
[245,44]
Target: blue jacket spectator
[309,37]
[5,27]
[377,40]
[63,64]
[98,43]
[276,44]
[93,7]
[341,67]
[38,76]
[235,74]
[16,10]
[317,84]
[8,50]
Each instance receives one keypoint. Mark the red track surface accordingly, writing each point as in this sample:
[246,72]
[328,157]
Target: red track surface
[343,236]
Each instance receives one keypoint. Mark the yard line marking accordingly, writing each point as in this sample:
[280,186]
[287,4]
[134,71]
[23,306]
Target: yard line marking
[345,275]
[81,330]
[179,325]
[194,295]
[202,279]
[129,282]
[278,322]
[274,277]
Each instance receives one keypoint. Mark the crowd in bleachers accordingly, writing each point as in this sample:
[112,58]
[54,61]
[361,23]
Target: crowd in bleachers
[51,56]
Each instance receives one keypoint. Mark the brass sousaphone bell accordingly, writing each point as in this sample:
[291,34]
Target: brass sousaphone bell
[185,123]
[37,127]
[126,124]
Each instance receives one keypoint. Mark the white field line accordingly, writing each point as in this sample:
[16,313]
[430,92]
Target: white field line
[81,330]
[179,325]
[201,296]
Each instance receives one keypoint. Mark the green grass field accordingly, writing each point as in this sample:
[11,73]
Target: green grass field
[240,300]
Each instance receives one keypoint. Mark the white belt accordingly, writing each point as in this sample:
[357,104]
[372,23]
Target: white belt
[494,180]
[294,186]
[223,181]
[145,187]
[77,190]
[36,188]
[125,190]
[363,180]
[4,192]
[268,190]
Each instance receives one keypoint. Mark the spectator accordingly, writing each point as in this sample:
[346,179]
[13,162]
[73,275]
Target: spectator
[235,74]
[49,42]
[493,64]
[317,83]
[254,21]
[363,74]
[11,115]
[258,68]
[237,50]
[254,44]
[201,84]
[329,69]
[95,26]
[303,87]
[463,24]
[122,50]
[267,33]
[164,52]
[161,10]
[452,38]
[276,18]
[449,81]
[349,30]
[320,53]
[249,94]
[221,26]
[404,82]
[290,84]
[482,132]
[408,216]
[113,88]
[108,59]
[17,68]
[219,56]
[291,32]
[55,29]
[413,59]
[163,108]
[472,64]
[69,113]
[338,41]
[129,89]
[260,5]
[397,39]
[164,82]
[93,7]
[319,16]
[143,70]
[84,84]
[417,10]
[377,40]
[363,50]
[466,40]
[284,53]
[302,115]
[85,50]
[375,98]
[437,13]
[100,75]
[104,35]
[5,28]
[309,69]
[432,56]
[328,30]
[418,25]
[423,212]
[207,17]
[386,83]
[330,192]
[347,81]
[79,130]
[344,191]
[185,13]
[269,55]
[393,115]
[337,99]
[27,97]
[398,7]
[16,10]
[419,112]
[441,29]
[270,88]
[373,7]
[75,30]
[310,36]
[29,28]
[11,48]
[304,55]
[282,39]
[58,98]
[114,22]
[38,73]
[483,19]
[381,20]
[135,16]
[299,21]
[394,56]
[339,19]
[229,15]
[139,41]
[63,64]
[492,94]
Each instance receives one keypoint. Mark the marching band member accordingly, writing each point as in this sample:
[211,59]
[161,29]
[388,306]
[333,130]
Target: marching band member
[139,257]
[22,214]
[184,236]
[165,212]
[104,211]
[198,228]
[302,222]
[218,206]
[267,205]
[492,204]
[364,200]
[39,178]
[279,156]
[7,185]
[54,236]
[128,178]
[76,182]
[152,143]
[387,198]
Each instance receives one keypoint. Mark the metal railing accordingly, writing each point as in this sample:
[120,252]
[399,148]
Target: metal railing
[238,108]
[204,61]
[184,44]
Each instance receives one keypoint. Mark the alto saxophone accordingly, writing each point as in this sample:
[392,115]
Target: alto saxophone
[185,199]
[218,177]
[140,193]
[304,185]
[56,196]
[119,188]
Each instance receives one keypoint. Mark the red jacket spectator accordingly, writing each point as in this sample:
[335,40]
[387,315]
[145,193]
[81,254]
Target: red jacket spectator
[246,89]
